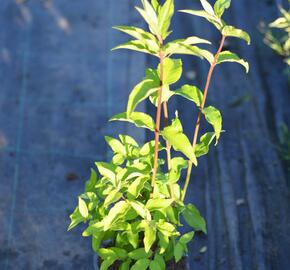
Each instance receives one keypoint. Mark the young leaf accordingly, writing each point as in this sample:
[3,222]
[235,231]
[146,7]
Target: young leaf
[172,70]
[177,164]
[174,134]
[138,118]
[194,219]
[135,188]
[115,145]
[217,22]
[164,17]
[136,45]
[91,183]
[76,218]
[166,95]
[141,209]
[149,235]
[203,147]
[113,196]
[227,56]
[139,253]
[191,93]
[213,116]
[140,92]
[167,228]
[128,140]
[117,212]
[83,208]
[158,204]
[107,170]
[150,17]
[163,242]
[141,264]
[207,7]
[220,6]
[155,5]
[230,31]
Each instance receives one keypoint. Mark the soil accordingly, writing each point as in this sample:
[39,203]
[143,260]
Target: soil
[181,265]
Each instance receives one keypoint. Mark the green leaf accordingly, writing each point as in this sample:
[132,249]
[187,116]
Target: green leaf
[220,6]
[107,170]
[154,265]
[97,240]
[117,212]
[135,188]
[141,264]
[194,219]
[172,70]
[203,147]
[191,93]
[164,17]
[128,140]
[175,136]
[230,31]
[83,208]
[158,204]
[217,22]
[107,263]
[207,7]
[160,261]
[213,116]
[155,5]
[118,159]
[186,238]
[126,265]
[91,183]
[115,145]
[148,148]
[177,164]
[167,228]
[146,38]
[136,45]
[150,17]
[76,218]
[120,252]
[166,95]
[140,92]
[227,56]
[178,251]
[149,235]
[139,253]
[141,209]
[139,119]
[113,196]
[163,242]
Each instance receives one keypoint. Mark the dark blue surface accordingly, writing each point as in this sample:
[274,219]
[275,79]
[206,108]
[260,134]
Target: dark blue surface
[59,85]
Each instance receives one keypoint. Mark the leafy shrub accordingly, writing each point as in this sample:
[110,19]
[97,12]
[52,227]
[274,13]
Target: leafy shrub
[135,205]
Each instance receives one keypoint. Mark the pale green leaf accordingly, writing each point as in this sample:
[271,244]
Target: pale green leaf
[107,170]
[231,31]
[177,164]
[167,228]
[76,218]
[217,22]
[128,140]
[194,219]
[227,56]
[172,70]
[117,212]
[158,204]
[191,93]
[141,209]
[136,45]
[135,188]
[108,262]
[149,235]
[83,208]
[113,196]
[164,17]
[91,183]
[115,145]
[207,7]
[138,118]
[213,116]
[203,147]
[166,95]
[140,92]
[220,6]
[175,136]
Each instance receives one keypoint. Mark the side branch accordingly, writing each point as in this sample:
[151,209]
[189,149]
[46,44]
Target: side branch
[197,126]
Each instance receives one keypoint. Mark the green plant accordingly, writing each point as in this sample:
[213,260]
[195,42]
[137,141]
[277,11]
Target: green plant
[280,41]
[137,203]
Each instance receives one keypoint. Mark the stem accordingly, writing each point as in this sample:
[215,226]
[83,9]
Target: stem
[158,117]
[197,127]
[168,146]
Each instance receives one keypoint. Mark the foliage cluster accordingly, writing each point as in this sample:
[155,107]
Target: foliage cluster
[134,207]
